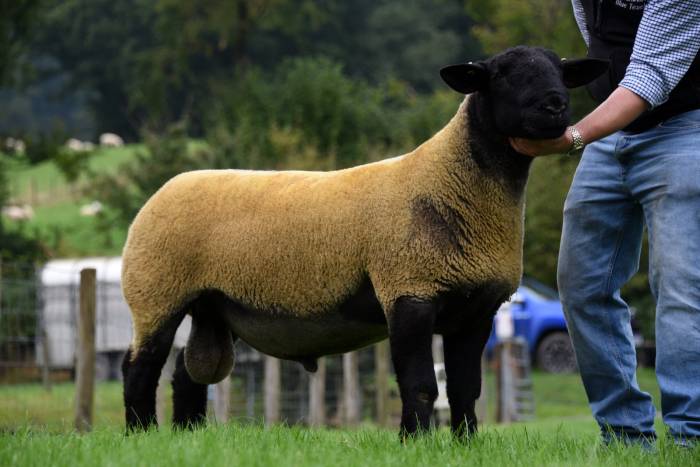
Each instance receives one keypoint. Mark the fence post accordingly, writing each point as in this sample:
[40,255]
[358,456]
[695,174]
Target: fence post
[222,399]
[381,375]
[482,401]
[272,390]
[317,395]
[85,367]
[351,388]
[514,388]
[45,357]
[42,334]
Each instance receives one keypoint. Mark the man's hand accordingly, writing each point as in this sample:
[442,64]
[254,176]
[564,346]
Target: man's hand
[618,111]
[542,147]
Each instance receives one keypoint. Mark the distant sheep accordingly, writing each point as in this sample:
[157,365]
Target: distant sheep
[18,213]
[76,145]
[91,209]
[305,264]
[110,140]
[15,145]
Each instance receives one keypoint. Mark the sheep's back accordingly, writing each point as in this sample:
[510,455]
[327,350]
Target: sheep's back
[292,241]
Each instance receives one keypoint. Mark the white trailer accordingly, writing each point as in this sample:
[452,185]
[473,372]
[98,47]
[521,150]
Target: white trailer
[59,293]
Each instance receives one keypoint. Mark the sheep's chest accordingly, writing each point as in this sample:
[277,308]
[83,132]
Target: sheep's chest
[467,307]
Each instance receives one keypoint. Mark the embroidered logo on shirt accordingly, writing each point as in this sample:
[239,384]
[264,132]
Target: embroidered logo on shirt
[631,5]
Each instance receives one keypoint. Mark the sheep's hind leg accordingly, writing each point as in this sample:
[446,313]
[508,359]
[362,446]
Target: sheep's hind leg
[189,398]
[141,370]
[410,335]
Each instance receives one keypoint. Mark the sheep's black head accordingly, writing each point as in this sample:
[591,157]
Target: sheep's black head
[524,89]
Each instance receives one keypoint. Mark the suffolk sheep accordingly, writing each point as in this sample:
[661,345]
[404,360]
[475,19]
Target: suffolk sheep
[305,264]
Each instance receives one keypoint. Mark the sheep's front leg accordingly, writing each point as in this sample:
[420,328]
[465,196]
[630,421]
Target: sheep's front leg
[410,335]
[463,349]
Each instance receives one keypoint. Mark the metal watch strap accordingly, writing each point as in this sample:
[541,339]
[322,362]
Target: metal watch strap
[577,143]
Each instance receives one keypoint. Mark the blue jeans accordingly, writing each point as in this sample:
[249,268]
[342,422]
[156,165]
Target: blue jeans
[623,182]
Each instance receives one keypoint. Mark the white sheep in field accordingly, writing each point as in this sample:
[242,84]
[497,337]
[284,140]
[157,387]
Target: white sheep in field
[18,213]
[76,145]
[111,140]
[15,145]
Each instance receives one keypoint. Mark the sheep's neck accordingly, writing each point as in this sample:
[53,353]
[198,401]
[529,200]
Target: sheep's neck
[491,151]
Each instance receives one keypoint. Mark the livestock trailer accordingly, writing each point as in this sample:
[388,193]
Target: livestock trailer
[59,292]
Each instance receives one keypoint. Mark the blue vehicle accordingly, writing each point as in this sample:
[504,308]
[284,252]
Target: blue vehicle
[539,319]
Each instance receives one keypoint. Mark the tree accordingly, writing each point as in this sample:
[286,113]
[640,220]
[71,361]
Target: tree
[15,26]
[152,63]
[16,21]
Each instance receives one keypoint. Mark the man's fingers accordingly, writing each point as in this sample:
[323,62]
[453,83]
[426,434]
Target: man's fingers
[520,146]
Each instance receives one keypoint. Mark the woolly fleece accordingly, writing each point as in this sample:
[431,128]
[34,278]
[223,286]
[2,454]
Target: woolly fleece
[418,224]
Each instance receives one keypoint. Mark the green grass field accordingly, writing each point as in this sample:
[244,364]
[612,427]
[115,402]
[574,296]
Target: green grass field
[532,444]
[46,177]
[557,398]
[56,204]
[35,429]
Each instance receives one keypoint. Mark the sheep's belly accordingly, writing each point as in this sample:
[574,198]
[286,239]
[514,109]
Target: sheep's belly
[297,339]
[357,322]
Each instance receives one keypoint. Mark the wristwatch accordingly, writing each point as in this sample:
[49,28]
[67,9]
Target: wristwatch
[577,143]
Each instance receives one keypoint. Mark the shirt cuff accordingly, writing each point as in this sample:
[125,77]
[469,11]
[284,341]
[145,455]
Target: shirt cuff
[645,83]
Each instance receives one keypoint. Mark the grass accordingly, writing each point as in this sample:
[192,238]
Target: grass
[569,443]
[35,429]
[56,203]
[70,234]
[557,398]
[27,181]
[30,405]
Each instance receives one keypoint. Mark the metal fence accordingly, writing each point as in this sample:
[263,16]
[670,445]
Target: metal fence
[39,341]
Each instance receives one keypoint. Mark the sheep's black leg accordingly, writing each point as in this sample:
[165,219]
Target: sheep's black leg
[189,398]
[141,376]
[410,335]
[463,351]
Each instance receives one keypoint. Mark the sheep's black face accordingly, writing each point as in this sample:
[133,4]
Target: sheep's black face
[525,89]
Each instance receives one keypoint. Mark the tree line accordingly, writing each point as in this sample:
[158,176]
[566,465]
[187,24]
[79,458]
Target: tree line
[311,84]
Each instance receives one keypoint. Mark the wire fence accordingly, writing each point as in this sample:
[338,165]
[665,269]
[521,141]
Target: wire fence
[38,345]
[39,341]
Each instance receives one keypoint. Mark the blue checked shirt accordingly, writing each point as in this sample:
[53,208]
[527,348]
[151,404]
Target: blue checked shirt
[667,41]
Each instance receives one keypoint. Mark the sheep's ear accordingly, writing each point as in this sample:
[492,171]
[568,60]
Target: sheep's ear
[580,71]
[466,77]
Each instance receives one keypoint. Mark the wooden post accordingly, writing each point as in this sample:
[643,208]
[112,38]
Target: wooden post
[504,387]
[222,400]
[272,390]
[482,401]
[317,395]
[85,367]
[45,357]
[351,388]
[381,375]
[438,353]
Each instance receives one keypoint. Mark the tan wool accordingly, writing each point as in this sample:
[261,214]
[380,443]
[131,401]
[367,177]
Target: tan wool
[304,241]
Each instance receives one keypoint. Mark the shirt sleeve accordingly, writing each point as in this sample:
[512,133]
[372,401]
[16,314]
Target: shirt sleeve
[667,41]
[580,16]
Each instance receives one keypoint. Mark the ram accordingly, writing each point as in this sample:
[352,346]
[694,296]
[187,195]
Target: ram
[304,264]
